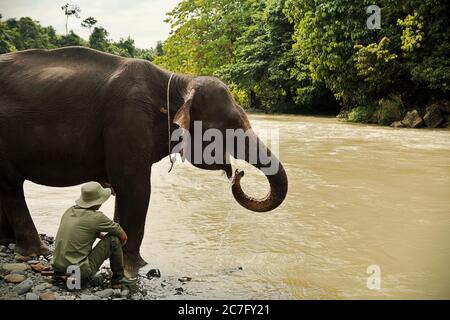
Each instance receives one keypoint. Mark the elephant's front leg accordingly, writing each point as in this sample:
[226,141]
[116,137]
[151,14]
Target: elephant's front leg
[132,199]
[128,151]
[6,231]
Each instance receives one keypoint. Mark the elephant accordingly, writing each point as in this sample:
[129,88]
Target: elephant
[73,115]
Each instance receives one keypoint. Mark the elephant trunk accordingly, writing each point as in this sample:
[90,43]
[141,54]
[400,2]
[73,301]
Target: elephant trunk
[277,180]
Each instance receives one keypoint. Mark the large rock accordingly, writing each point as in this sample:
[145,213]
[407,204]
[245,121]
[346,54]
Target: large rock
[412,120]
[14,267]
[446,117]
[444,106]
[397,124]
[105,293]
[433,118]
[31,296]
[23,287]
[14,278]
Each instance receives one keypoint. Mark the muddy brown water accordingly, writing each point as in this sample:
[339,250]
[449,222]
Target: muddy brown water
[358,196]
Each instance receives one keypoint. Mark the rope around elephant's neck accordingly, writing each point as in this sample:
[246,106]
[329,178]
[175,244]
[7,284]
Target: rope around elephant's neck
[172,161]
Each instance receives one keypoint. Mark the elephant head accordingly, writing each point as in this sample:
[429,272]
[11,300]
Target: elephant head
[209,105]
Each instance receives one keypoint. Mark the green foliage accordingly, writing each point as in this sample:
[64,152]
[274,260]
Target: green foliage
[99,39]
[413,35]
[378,67]
[389,110]
[249,45]
[296,56]
[6,44]
[71,39]
[25,34]
[359,114]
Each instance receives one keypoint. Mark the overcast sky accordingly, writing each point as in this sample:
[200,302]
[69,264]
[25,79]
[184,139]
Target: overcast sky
[142,20]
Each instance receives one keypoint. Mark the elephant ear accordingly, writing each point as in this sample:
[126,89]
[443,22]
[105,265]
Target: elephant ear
[183,116]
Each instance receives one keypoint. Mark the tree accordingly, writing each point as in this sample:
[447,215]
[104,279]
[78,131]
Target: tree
[127,45]
[89,23]
[99,39]
[264,59]
[203,35]
[26,34]
[69,11]
[159,49]
[71,39]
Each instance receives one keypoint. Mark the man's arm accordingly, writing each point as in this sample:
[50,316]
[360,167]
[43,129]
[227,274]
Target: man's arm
[106,225]
[123,237]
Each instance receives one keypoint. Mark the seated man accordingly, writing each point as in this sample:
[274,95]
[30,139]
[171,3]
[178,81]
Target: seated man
[80,226]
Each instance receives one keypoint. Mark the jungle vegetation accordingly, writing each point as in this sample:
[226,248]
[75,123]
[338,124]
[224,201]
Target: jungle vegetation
[292,56]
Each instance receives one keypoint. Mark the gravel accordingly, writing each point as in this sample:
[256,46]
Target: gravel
[34,286]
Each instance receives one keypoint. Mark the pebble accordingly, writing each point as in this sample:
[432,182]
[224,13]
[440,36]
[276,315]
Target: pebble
[97,280]
[41,287]
[23,287]
[89,297]
[125,293]
[31,296]
[68,298]
[136,296]
[33,261]
[3,254]
[185,279]
[20,258]
[11,246]
[39,267]
[15,267]
[49,296]
[105,293]
[3,248]
[15,278]
[154,273]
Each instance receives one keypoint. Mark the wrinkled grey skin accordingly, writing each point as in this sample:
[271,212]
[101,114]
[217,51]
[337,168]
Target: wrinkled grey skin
[73,115]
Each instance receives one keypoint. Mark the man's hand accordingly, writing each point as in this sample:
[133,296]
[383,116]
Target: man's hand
[123,238]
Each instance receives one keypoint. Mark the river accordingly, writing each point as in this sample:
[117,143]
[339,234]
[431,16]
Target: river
[359,197]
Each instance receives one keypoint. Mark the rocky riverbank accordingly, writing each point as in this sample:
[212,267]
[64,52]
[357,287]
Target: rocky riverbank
[436,115]
[23,278]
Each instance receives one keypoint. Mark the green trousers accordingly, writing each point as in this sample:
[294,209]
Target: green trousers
[108,248]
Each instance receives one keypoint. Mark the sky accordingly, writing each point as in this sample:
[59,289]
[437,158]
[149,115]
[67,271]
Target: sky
[142,20]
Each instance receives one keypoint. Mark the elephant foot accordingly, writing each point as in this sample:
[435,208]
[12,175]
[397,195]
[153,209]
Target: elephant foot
[133,262]
[6,232]
[6,241]
[32,250]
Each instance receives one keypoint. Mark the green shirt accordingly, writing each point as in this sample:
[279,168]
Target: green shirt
[76,235]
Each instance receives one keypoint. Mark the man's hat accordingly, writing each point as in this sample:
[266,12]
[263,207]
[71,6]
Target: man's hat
[93,194]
